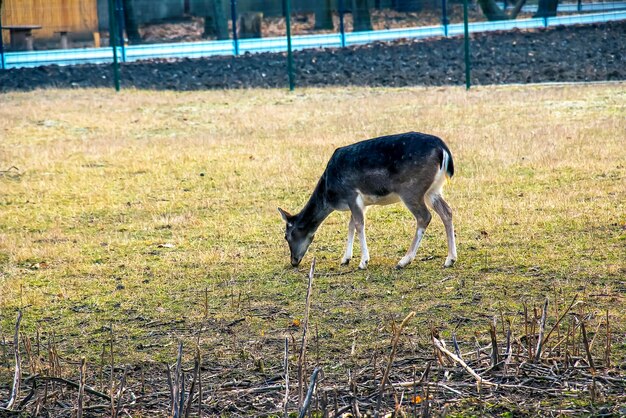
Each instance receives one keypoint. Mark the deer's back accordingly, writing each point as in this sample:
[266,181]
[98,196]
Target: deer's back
[384,167]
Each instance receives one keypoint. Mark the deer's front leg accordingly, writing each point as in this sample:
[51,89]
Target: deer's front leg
[422,216]
[348,254]
[358,215]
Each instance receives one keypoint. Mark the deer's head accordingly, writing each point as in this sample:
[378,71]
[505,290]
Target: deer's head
[297,237]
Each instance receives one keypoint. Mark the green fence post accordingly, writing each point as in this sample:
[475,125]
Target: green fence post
[119,20]
[112,35]
[467,46]
[444,17]
[1,42]
[342,28]
[289,52]
[233,17]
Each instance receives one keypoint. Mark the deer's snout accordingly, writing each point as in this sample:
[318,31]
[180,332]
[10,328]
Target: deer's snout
[295,261]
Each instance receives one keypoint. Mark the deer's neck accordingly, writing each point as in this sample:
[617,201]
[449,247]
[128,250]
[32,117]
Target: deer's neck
[316,209]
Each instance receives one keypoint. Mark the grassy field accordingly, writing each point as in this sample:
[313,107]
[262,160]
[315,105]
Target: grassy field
[156,212]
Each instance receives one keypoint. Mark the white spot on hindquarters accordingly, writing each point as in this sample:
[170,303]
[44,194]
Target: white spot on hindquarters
[388,199]
[360,202]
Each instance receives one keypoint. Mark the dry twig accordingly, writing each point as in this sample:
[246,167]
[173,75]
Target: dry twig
[17,377]
[69,383]
[178,383]
[495,356]
[394,347]
[586,345]
[305,326]
[309,394]
[81,387]
[196,371]
[12,172]
[286,368]
[607,349]
[120,392]
[452,356]
[542,324]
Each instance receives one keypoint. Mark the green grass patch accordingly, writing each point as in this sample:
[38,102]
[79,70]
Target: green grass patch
[131,208]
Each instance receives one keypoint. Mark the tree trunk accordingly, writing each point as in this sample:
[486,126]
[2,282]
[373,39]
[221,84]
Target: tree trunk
[215,22]
[547,8]
[361,16]
[250,24]
[221,24]
[130,22]
[409,5]
[516,9]
[493,12]
[323,15]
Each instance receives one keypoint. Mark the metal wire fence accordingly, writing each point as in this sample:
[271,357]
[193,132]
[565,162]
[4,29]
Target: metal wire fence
[68,32]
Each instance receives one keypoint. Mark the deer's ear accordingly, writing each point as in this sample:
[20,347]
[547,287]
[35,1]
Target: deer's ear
[286,215]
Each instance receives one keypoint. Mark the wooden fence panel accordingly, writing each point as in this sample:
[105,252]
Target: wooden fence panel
[79,17]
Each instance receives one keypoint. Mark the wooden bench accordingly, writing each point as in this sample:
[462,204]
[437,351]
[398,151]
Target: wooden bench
[21,36]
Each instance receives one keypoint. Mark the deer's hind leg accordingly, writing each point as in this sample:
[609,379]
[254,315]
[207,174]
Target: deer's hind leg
[358,217]
[422,216]
[445,213]
[348,254]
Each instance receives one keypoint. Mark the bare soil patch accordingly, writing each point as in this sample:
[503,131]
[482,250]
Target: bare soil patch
[562,54]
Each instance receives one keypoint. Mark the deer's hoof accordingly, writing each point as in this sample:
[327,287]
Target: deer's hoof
[449,262]
[405,261]
[345,261]
[363,265]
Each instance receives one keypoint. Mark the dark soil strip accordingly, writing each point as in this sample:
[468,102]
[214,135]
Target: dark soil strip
[562,54]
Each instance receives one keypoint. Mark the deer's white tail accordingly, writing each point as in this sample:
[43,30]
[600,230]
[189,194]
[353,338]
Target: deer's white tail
[446,170]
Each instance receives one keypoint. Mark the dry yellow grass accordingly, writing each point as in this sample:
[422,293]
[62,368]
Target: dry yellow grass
[107,179]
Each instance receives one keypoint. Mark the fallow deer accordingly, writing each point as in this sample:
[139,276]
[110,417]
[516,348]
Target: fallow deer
[410,167]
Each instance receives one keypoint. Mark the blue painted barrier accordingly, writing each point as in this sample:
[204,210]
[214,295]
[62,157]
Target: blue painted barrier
[279,44]
[572,7]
